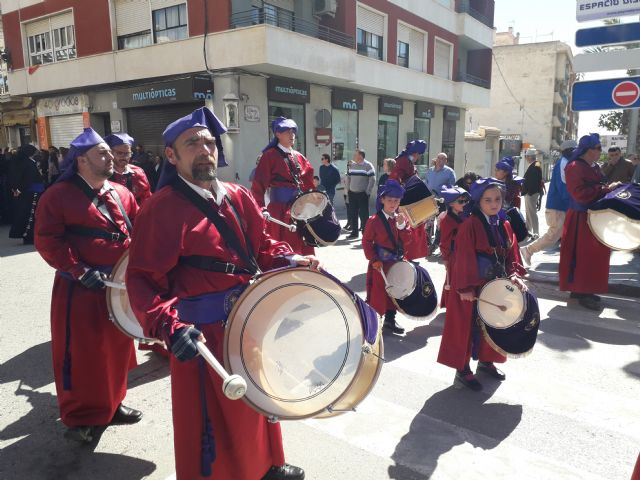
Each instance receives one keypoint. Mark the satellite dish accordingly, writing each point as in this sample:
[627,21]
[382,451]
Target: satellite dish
[323,118]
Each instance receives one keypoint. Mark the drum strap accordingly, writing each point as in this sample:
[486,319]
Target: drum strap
[397,245]
[210,264]
[95,233]
[294,168]
[227,233]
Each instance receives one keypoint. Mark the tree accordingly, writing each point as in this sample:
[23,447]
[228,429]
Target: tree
[611,121]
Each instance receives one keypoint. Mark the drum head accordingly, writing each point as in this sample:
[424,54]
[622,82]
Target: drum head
[296,337]
[401,279]
[308,206]
[119,307]
[423,300]
[614,229]
[503,293]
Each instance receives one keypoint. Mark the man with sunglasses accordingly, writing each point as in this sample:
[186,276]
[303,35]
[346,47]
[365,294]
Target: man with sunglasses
[584,261]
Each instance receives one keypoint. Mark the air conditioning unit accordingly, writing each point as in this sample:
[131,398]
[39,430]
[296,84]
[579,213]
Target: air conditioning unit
[325,7]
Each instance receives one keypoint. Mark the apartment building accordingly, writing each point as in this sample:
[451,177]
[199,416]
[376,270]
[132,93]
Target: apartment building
[370,74]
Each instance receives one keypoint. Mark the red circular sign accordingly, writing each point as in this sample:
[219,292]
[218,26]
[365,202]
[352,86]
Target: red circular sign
[625,93]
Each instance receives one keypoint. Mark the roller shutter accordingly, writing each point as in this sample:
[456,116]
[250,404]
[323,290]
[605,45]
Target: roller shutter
[132,16]
[370,21]
[416,50]
[157,4]
[146,124]
[64,128]
[442,63]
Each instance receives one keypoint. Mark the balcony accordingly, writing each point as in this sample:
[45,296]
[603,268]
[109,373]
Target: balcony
[464,6]
[468,78]
[277,18]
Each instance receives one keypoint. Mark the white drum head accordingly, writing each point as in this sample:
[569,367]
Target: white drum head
[309,205]
[501,292]
[296,337]
[119,307]
[401,279]
[615,230]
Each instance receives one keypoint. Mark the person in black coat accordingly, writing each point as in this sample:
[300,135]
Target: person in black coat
[26,185]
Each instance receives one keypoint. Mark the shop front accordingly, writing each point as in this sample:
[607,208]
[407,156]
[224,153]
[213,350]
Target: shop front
[18,127]
[288,98]
[346,105]
[451,118]
[151,107]
[61,119]
[423,113]
[389,109]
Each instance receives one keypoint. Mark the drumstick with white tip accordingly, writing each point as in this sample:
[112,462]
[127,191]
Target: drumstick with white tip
[267,216]
[233,386]
[116,285]
[501,307]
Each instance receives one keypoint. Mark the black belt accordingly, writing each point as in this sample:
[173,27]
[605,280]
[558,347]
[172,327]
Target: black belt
[95,233]
[210,264]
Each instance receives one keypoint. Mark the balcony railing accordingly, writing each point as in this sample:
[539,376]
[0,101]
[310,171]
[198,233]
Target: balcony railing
[465,7]
[468,78]
[259,16]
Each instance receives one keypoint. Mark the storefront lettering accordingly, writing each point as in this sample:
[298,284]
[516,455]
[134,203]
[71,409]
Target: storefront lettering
[203,95]
[61,105]
[153,94]
[291,90]
[394,106]
[350,105]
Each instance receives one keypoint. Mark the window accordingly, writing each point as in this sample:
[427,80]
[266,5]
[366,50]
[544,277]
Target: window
[51,39]
[442,63]
[135,40]
[170,23]
[403,54]
[369,44]
[280,17]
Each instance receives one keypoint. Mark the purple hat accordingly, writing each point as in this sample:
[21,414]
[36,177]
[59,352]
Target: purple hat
[391,188]
[450,194]
[203,118]
[479,186]
[279,125]
[506,164]
[415,146]
[84,142]
[586,142]
[116,139]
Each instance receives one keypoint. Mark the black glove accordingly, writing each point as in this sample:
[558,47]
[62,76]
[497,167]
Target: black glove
[93,279]
[183,343]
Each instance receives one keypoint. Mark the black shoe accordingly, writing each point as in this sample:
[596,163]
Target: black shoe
[393,327]
[126,415]
[577,295]
[284,472]
[353,235]
[491,370]
[467,379]
[595,297]
[82,435]
[589,302]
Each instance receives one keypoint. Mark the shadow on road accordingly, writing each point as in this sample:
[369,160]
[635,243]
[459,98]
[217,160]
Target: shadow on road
[395,346]
[449,418]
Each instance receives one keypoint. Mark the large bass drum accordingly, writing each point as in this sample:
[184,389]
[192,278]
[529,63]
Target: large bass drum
[120,311]
[615,219]
[306,345]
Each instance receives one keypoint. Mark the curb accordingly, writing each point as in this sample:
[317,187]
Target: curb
[621,289]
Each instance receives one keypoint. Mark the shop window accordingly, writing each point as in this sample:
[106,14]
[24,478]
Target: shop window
[403,54]
[449,141]
[387,138]
[422,131]
[369,44]
[290,110]
[170,23]
[344,126]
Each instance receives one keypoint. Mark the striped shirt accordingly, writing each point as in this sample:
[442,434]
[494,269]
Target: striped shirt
[361,177]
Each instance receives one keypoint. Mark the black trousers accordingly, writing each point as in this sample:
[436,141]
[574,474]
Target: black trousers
[359,206]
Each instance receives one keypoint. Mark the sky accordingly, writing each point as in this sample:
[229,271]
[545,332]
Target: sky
[547,20]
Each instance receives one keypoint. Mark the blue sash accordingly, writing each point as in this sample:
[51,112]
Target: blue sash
[282,194]
[579,207]
[35,188]
[209,308]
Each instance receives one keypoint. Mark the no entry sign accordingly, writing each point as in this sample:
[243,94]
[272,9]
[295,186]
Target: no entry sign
[610,94]
[625,94]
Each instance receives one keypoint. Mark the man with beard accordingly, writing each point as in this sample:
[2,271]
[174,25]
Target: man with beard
[197,244]
[83,229]
[125,173]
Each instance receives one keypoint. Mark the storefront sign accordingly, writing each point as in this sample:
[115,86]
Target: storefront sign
[346,99]
[182,90]
[452,113]
[595,10]
[390,106]
[288,90]
[63,105]
[116,126]
[424,110]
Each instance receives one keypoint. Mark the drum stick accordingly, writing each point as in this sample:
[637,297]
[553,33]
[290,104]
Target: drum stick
[267,216]
[233,386]
[116,285]
[501,307]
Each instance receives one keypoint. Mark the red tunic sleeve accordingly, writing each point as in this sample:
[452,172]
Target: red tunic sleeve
[403,170]
[583,182]
[448,230]
[141,187]
[375,234]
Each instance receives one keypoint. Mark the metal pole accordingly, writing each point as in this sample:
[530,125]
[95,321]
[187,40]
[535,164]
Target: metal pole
[633,131]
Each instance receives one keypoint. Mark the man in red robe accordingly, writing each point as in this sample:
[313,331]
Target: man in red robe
[198,242]
[83,228]
[125,173]
[584,261]
[405,172]
[284,173]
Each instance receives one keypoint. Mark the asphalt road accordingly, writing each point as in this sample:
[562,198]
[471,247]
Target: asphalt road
[567,411]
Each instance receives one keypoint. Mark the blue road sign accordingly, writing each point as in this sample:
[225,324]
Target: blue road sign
[609,35]
[609,94]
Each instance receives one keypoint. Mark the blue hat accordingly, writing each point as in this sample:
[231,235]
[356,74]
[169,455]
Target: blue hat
[506,164]
[279,125]
[80,145]
[479,186]
[415,146]
[202,117]
[451,194]
[116,139]
[586,142]
[391,188]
